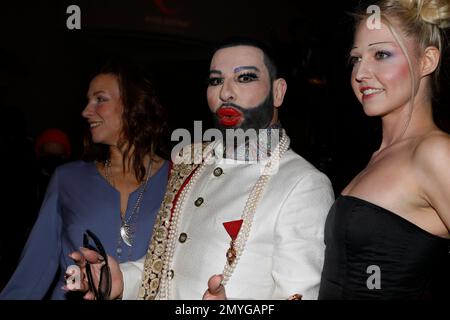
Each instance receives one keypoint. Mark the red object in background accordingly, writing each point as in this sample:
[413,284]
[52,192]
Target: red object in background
[55,136]
[164,8]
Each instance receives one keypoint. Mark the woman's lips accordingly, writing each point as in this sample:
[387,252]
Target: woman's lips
[229,117]
[369,92]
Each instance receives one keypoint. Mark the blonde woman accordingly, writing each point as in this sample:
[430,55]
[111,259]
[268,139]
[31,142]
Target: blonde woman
[388,232]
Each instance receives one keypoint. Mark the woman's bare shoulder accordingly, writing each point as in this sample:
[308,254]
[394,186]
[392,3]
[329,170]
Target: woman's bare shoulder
[433,149]
[431,163]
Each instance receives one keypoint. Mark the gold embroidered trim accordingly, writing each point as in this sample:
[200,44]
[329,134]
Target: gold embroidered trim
[153,265]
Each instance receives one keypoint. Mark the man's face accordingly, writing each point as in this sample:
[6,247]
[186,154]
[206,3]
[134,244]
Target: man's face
[239,89]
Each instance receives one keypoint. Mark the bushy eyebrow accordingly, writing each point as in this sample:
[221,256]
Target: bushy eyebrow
[215,72]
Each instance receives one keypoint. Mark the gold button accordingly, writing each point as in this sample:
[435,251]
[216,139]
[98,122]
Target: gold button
[199,202]
[183,237]
[170,274]
[218,172]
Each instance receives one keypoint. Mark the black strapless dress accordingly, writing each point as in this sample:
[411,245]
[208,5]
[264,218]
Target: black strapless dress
[361,237]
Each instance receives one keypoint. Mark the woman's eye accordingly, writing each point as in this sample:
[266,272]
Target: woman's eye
[353,60]
[380,55]
[214,81]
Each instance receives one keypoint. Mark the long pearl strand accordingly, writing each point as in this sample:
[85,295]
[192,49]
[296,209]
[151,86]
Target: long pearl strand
[250,207]
[165,292]
[247,216]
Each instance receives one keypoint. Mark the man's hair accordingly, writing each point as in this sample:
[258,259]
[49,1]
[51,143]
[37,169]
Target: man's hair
[270,60]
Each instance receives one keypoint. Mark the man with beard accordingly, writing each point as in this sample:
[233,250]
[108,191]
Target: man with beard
[250,228]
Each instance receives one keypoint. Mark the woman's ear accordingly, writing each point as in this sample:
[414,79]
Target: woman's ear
[430,60]
[279,90]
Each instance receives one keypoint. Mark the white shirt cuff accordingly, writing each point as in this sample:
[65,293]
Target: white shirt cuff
[132,276]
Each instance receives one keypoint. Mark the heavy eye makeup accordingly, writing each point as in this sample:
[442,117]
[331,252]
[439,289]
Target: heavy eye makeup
[378,55]
[248,77]
[214,81]
[245,77]
[382,54]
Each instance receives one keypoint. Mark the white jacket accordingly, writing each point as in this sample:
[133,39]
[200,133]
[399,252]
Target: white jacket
[285,250]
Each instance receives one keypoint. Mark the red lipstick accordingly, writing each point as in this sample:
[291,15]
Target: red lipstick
[229,117]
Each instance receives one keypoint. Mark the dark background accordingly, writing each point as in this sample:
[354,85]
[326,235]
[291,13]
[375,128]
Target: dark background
[45,68]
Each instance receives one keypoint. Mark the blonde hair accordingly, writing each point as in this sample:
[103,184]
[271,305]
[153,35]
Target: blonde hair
[423,20]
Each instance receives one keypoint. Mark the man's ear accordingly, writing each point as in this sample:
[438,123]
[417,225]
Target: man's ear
[430,60]
[279,90]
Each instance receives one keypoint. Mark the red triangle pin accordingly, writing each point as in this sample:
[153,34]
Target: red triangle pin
[233,228]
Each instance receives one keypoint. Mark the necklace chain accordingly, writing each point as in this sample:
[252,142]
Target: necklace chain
[127,225]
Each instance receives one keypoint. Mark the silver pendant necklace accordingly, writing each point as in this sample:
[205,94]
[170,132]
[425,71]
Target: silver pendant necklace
[127,226]
[125,233]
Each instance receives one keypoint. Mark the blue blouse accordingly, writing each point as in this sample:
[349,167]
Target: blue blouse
[78,198]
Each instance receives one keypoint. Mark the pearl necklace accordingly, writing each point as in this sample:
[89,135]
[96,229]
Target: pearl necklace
[247,217]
